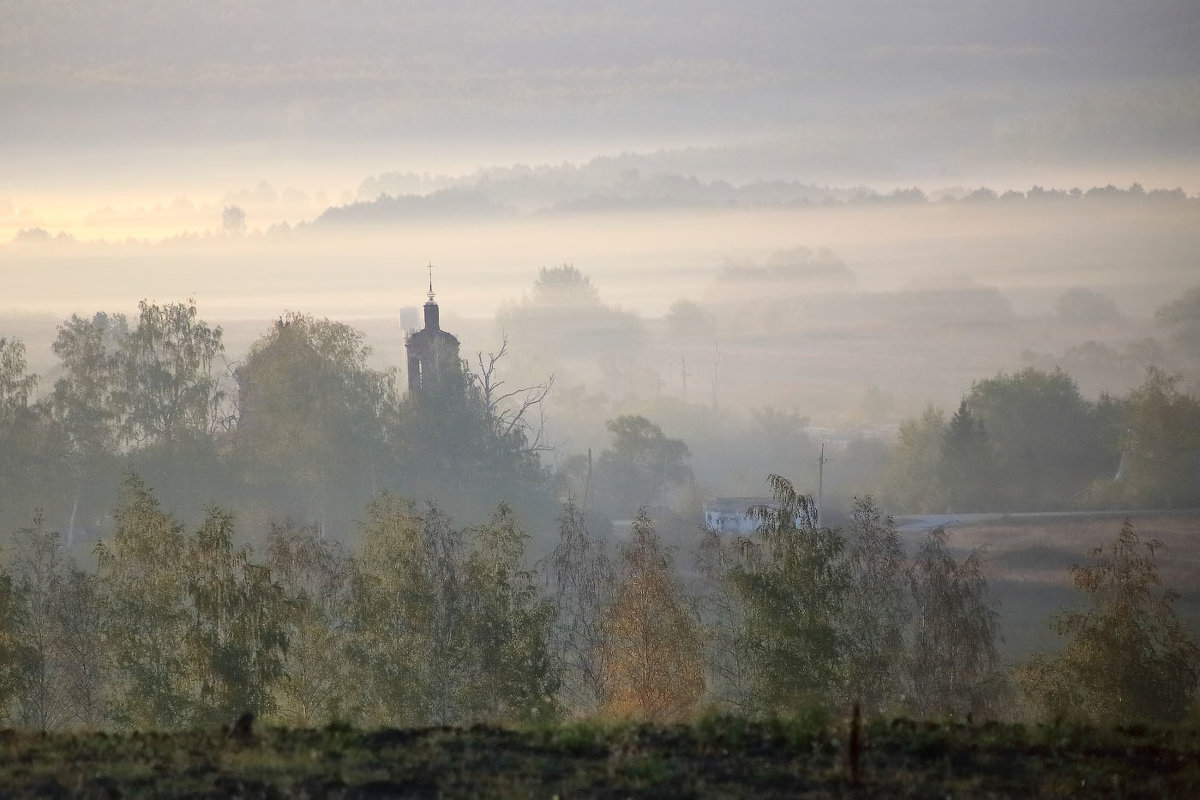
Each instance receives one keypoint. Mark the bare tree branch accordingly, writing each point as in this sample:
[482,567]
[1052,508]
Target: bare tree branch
[514,410]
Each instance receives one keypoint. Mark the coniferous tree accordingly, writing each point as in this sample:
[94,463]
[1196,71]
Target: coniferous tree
[966,469]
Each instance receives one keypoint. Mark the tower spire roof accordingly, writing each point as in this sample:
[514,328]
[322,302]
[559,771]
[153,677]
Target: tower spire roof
[431,350]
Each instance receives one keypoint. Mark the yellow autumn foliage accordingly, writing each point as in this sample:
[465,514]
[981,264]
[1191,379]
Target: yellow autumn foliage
[653,665]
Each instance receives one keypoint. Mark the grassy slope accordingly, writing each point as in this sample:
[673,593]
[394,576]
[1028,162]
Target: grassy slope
[718,757]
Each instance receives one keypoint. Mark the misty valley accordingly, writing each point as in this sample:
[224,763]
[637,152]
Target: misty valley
[543,399]
[298,532]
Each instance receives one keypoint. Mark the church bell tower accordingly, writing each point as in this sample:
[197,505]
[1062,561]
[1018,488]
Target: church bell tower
[431,351]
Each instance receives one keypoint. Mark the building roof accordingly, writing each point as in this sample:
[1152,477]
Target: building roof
[431,335]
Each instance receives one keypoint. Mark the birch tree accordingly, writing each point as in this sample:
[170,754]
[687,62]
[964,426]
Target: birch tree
[580,583]
[314,574]
[654,662]
[513,675]
[235,637]
[875,614]
[792,584]
[143,597]
[953,662]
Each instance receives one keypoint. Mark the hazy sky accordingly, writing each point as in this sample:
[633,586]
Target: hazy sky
[145,100]
[128,126]
[143,119]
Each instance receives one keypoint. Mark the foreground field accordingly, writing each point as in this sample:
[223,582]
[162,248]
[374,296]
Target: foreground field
[717,757]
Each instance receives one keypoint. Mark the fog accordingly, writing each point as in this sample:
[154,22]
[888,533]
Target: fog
[643,259]
[944,257]
[850,309]
[653,143]
[124,100]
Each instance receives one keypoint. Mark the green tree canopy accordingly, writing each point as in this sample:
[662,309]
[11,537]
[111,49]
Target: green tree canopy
[236,635]
[314,576]
[450,445]
[967,463]
[446,624]
[168,387]
[25,447]
[913,477]
[1045,436]
[86,405]
[516,676]
[1161,444]
[793,585]
[14,652]
[876,610]
[143,600]
[689,321]
[16,386]
[312,417]
[580,583]
[641,463]
[1181,318]
[192,630]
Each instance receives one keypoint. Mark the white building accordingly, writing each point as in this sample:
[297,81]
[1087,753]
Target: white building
[732,514]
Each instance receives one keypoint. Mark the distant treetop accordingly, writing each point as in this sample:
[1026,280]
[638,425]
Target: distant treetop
[565,283]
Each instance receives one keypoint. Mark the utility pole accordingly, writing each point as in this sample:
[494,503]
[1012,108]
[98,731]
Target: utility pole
[684,374]
[587,487]
[716,370]
[821,461]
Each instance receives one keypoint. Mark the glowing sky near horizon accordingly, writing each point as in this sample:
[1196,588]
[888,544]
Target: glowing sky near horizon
[115,112]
